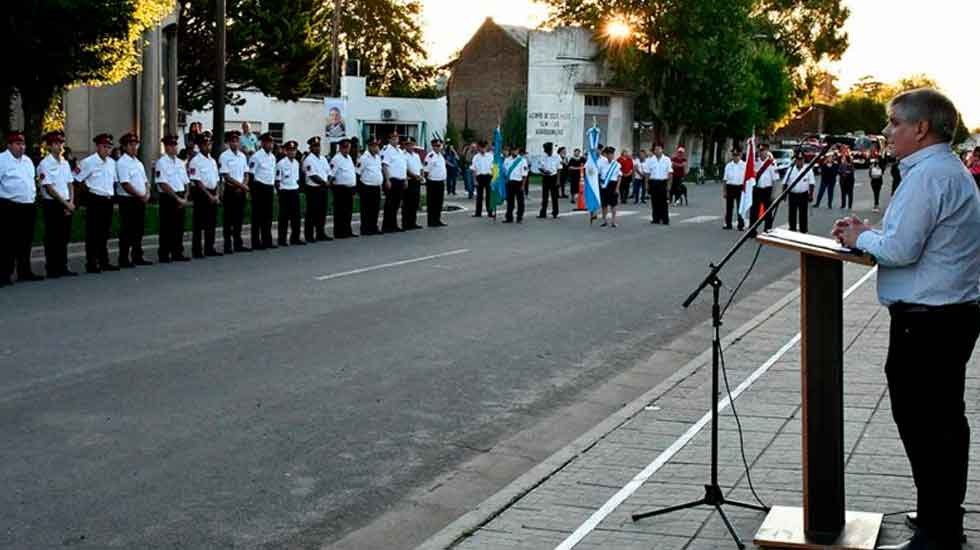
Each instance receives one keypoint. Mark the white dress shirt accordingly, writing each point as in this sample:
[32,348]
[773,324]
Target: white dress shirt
[173,172]
[735,173]
[263,167]
[131,171]
[928,251]
[610,172]
[98,174]
[287,174]
[56,173]
[344,172]
[806,182]
[550,164]
[482,164]
[235,165]
[17,178]
[316,165]
[369,167]
[658,168]
[519,170]
[397,162]
[205,170]
[767,178]
[414,164]
[435,166]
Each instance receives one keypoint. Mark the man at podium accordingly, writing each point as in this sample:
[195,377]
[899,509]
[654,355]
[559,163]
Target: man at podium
[928,253]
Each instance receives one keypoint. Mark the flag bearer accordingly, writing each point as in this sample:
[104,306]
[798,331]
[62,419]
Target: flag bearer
[610,176]
[515,168]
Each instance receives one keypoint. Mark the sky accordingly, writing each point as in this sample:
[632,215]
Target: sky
[889,39]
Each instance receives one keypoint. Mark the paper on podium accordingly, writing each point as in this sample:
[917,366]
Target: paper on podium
[812,244]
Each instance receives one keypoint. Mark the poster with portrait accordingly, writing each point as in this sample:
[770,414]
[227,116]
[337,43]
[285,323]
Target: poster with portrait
[336,111]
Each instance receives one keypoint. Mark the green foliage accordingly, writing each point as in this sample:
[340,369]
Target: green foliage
[513,128]
[62,43]
[856,112]
[452,134]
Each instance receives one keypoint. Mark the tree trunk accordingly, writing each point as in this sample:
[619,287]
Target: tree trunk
[6,98]
[35,104]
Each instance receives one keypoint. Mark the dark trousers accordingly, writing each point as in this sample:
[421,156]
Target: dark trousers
[828,187]
[288,216]
[171,228]
[343,210]
[926,370]
[515,191]
[876,184]
[733,193]
[483,194]
[203,222]
[393,199]
[659,203]
[847,191]
[132,223]
[370,205]
[677,188]
[16,234]
[314,225]
[434,194]
[549,188]
[562,180]
[624,188]
[98,223]
[410,204]
[57,232]
[234,213]
[262,198]
[451,182]
[761,198]
[799,205]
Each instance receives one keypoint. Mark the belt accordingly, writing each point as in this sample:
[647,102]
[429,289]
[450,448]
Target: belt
[902,307]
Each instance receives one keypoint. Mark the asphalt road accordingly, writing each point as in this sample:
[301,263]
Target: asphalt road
[295,395]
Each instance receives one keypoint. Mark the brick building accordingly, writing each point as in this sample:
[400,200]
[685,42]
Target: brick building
[487,77]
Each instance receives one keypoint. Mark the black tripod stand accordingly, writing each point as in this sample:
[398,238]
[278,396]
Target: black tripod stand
[713,495]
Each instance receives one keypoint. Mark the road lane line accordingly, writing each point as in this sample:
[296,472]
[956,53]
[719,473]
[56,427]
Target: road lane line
[391,264]
[627,491]
[701,219]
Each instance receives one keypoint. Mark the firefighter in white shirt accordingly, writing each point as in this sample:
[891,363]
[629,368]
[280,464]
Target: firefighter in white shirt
[233,168]
[97,176]
[344,185]
[372,177]
[413,189]
[132,192]
[435,184]
[657,171]
[515,170]
[59,205]
[203,172]
[550,166]
[262,165]
[287,185]
[801,194]
[731,190]
[172,181]
[482,167]
[394,163]
[18,211]
[766,175]
[317,170]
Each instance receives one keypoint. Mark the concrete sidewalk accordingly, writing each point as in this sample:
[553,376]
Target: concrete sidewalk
[573,502]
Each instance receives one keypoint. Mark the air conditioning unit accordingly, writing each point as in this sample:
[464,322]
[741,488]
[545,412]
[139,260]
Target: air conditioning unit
[389,114]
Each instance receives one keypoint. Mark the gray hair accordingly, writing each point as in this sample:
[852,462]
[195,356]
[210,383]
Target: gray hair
[928,105]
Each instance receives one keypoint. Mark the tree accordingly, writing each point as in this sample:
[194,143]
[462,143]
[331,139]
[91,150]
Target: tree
[64,43]
[513,127]
[856,112]
[271,47]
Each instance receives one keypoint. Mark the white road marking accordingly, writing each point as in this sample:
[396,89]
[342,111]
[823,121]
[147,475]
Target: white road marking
[701,219]
[391,264]
[584,212]
[616,500]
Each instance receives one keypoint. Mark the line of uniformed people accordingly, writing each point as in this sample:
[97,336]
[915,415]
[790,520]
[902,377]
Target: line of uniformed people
[101,181]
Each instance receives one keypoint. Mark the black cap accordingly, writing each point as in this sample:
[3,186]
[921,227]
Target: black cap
[266,137]
[169,140]
[315,140]
[103,139]
[54,136]
[232,135]
[291,144]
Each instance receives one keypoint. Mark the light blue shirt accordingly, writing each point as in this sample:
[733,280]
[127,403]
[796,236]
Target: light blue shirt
[928,251]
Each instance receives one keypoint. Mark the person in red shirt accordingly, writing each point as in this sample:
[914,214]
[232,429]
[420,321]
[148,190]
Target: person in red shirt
[626,168]
[677,188]
[974,165]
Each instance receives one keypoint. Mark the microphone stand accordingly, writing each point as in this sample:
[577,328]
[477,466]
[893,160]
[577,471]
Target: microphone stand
[713,495]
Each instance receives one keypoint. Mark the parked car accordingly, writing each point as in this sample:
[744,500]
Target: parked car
[861,150]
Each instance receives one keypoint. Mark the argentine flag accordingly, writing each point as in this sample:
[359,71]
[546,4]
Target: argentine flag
[592,203]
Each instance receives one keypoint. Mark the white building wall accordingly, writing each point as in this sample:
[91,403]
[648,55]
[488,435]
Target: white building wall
[430,115]
[301,119]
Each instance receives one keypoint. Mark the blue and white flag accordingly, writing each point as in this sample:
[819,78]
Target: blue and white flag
[592,202]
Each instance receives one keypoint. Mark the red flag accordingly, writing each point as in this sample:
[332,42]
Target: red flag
[749,163]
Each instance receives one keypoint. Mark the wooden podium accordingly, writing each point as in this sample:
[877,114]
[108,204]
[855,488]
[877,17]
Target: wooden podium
[823,521]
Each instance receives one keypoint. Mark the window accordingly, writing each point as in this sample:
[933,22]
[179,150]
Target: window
[277,129]
[596,101]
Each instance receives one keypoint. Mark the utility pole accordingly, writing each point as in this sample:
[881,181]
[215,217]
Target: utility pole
[218,125]
[335,55]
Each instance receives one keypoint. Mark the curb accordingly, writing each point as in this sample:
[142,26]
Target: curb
[489,509]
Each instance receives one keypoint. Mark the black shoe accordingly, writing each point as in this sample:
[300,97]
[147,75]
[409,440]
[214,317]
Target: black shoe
[519,220]
[5,281]
[912,520]
[181,258]
[508,221]
[68,273]
[297,243]
[324,238]
[29,277]
[126,264]
[163,260]
[603,224]
[542,216]
[197,255]
[283,243]
[54,275]
[213,253]
[142,262]
[726,227]
[110,267]
[272,247]
[416,226]
[923,541]
[93,269]
[440,224]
